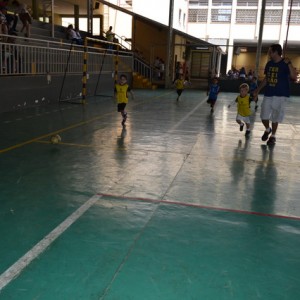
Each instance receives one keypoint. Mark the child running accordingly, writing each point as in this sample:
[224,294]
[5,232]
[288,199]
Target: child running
[243,109]
[212,92]
[121,95]
[179,85]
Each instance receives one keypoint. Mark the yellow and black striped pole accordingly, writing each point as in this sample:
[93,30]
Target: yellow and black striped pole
[84,75]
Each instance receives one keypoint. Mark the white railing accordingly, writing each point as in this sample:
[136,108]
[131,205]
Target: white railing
[143,68]
[34,57]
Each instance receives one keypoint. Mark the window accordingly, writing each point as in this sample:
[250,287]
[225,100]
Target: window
[246,16]
[179,16]
[296,3]
[221,2]
[295,17]
[83,24]
[273,16]
[197,15]
[247,2]
[221,15]
[198,2]
[274,2]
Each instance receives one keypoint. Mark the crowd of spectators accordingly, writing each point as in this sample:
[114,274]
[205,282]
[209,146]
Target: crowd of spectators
[10,13]
[242,74]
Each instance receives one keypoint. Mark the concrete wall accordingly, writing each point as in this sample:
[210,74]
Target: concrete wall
[150,40]
[19,92]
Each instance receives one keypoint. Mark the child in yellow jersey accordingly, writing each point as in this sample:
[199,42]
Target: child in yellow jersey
[243,109]
[179,85]
[121,95]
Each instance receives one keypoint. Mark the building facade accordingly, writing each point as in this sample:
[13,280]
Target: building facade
[234,25]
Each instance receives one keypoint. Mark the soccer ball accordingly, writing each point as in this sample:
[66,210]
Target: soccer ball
[55,139]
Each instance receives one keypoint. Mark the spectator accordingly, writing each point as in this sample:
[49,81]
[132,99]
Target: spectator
[242,74]
[230,74]
[3,22]
[161,69]
[250,75]
[78,35]
[110,37]
[11,19]
[24,16]
[157,67]
[235,73]
[73,35]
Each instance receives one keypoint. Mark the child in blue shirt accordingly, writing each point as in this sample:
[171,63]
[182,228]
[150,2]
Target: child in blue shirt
[212,92]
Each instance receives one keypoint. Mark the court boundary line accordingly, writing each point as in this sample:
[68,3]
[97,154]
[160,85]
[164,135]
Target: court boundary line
[16,269]
[200,206]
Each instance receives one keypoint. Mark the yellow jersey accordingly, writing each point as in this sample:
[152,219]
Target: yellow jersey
[243,106]
[121,92]
[179,84]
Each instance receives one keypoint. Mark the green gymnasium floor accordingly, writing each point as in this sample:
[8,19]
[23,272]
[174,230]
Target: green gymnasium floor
[179,205]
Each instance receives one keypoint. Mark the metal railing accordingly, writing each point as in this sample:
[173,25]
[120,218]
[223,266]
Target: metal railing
[143,68]
[38,57]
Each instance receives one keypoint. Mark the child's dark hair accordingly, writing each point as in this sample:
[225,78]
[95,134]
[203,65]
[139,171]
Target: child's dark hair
[123,76]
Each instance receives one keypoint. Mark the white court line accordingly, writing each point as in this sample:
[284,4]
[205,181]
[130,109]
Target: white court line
[186,116]
[12,272]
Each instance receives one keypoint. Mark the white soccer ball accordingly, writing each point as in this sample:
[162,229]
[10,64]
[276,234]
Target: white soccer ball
[55,139]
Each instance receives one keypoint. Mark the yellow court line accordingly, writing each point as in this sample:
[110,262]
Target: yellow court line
[66,144]
[66,128]
[78,145]
[48,135]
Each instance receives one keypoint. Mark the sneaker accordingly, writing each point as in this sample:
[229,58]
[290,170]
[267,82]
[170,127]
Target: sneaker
[242,127]
[266,135]
[247,133]
[271,141]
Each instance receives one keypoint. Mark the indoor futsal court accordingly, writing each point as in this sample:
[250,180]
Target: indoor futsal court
[178,205]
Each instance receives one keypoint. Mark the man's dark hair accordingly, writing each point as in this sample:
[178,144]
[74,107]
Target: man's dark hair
[276,48]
